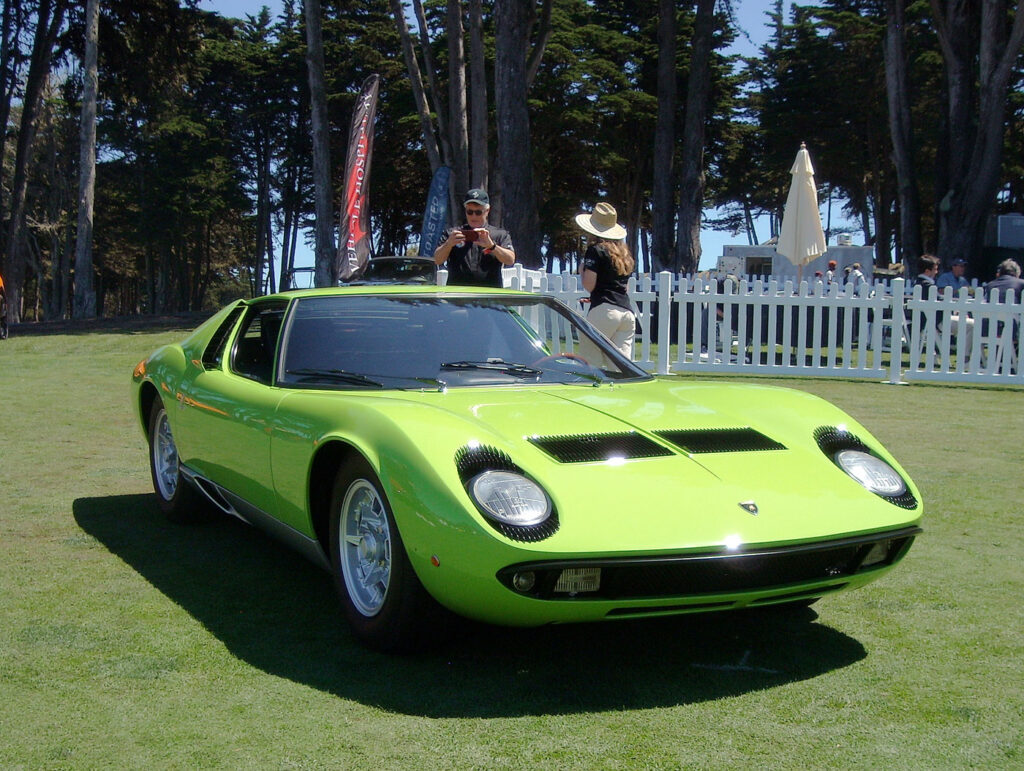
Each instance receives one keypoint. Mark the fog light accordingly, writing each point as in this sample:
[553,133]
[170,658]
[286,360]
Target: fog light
[524,582]
[576,580]
[879,553]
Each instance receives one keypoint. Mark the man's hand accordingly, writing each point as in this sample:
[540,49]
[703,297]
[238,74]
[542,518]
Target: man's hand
[483,237]
[455,238]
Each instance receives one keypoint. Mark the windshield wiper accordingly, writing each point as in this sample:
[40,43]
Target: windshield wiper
[496,365]
[337,375]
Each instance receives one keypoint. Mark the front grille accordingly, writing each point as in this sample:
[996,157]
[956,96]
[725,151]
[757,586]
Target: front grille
[702,440]
[590,448]
[719,573]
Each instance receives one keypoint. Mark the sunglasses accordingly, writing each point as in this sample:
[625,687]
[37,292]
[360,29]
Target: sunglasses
[475,212]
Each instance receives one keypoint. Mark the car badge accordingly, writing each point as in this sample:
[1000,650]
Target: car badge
[749,506]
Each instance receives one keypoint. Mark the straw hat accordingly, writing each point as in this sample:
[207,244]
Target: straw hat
[602,222]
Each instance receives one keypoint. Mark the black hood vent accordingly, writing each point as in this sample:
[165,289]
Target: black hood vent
[592,448]
[704,440]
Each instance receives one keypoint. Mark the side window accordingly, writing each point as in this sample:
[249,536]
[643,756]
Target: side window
[214,353]
[256,344]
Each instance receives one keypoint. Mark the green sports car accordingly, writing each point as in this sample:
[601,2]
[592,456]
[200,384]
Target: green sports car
[488,453]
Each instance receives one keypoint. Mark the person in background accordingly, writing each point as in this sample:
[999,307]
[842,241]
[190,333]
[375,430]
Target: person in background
[476,252]
[830,274]
[605,271]
[954,277]
[856,275]
[961,326]
[1007,286]
[929,267]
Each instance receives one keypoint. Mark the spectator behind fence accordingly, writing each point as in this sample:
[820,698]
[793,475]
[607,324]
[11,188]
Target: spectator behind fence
[961,326]
[929,267]
[856,276]
[1007,285]
[605,271]
[830,274]
[954,277]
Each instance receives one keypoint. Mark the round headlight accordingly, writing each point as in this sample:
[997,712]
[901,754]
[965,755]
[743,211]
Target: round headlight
[510,498]
[874,474]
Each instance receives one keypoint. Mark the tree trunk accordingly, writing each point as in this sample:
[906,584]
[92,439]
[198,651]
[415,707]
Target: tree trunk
[691,166]
[435,88]
[511,22]
[325,250]
[663,205]
[416,82]
[10,32]
[39,68]
[540,44]
[477,98]
[85,294]
[748,219]
[457,104]
[262,204]
[901,130]
[975,139]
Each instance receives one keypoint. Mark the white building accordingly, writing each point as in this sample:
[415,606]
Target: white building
[765,261]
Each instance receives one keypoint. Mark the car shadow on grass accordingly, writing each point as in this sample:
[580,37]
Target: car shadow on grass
[276,611]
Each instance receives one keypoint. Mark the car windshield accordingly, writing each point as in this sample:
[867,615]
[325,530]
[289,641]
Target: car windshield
[430,341]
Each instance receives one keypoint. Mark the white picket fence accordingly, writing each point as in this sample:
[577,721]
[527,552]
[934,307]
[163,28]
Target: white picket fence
[881,332]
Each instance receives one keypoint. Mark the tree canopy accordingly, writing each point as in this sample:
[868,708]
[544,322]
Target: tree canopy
[204,173]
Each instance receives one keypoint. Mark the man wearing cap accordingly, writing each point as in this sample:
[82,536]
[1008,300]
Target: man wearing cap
[953,277]
[476,251]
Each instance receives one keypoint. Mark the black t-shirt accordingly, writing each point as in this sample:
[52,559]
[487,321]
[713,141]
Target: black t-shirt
[610,287]
[469,266]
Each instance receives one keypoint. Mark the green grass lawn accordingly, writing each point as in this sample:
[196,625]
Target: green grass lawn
[126,641]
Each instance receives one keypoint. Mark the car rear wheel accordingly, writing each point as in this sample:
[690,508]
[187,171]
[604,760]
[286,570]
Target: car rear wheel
[385,603]
[178,500]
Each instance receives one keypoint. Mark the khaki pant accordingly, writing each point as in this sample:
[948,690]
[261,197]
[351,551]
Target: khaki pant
[615,323]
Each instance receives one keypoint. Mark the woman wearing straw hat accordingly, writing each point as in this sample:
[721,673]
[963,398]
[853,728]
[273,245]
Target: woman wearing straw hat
[607,265]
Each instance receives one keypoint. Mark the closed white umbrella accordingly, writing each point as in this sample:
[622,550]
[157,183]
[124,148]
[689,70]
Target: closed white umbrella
[801,238]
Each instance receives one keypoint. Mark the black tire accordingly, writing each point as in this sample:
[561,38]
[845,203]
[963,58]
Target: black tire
[385,604]
[178,500]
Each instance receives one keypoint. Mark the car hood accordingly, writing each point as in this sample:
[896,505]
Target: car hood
[651,492]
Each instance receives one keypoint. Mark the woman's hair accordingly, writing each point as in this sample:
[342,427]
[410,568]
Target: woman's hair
[622,260]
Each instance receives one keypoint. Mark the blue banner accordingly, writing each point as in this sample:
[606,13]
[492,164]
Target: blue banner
[435,218]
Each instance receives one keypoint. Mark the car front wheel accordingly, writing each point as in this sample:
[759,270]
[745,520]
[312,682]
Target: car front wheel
[385,603]
[178,500]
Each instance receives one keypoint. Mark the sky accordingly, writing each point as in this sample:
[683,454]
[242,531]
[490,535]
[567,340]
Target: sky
[750,15]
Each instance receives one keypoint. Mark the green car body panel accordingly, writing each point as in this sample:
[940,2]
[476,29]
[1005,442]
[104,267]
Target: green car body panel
[262,441]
